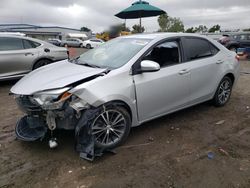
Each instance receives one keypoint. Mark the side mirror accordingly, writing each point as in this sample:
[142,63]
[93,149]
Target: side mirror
[149,66]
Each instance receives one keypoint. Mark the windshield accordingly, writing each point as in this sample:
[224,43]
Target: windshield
[113,54]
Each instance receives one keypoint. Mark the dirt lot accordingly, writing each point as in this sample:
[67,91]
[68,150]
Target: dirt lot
[167,152]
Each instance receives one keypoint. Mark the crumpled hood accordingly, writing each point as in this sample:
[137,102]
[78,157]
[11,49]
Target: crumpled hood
[56,75]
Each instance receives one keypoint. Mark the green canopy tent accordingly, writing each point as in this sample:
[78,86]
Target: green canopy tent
[140,9]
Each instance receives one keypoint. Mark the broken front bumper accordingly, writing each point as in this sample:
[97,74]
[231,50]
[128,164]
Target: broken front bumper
[35,124]
[30,129]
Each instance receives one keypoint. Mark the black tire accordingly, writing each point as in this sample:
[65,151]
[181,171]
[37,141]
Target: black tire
[114,140]
[88,46]
[41,63]
[223,92]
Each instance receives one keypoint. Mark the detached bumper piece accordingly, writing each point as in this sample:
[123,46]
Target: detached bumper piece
[30,128]
[84,139]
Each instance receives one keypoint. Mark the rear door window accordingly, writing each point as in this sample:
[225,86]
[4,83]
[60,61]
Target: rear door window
[30,44]
[197,48]
[9,43]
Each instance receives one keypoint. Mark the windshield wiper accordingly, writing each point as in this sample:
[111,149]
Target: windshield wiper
[75,60]
[90,65]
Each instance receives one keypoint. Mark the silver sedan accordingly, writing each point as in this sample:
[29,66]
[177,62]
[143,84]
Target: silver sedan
[20,55]
[124,83]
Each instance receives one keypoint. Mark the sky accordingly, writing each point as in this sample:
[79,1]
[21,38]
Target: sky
[98,15]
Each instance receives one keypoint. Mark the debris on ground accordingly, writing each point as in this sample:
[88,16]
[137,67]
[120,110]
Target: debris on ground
[224,152]
[136,145]
[151,139]
[220,122]
[210,155]
[70,171]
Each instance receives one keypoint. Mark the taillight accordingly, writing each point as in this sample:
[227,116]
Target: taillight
[237,57]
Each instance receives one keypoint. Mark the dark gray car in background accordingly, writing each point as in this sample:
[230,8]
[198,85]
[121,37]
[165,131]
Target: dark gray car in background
[234,41]
[20,55]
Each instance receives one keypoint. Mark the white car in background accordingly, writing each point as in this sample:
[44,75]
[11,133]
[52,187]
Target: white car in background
[92,43]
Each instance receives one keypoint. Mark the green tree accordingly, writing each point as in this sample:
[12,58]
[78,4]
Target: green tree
[176,25]
[138,29]
[163,21]
[201,29]
[190,30]
[214,28]
[169,24]
[246,29]
[85,29]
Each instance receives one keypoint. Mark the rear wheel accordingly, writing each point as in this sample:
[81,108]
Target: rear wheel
[41,63]
[88,46]
[111,127]
[223,92]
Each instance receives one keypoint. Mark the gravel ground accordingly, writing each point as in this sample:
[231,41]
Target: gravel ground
[167,152]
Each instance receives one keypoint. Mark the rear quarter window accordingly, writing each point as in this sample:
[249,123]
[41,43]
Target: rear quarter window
[30,44]
[197,48]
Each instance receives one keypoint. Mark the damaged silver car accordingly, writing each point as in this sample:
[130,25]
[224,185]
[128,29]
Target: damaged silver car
[122,84]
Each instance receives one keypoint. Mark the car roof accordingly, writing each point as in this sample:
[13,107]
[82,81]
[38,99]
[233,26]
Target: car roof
[153,36]
[25,37]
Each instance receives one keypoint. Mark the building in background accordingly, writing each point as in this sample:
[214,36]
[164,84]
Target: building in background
[44,33]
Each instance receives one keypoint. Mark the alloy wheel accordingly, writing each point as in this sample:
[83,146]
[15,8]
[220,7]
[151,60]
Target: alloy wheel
[109,127]
[224,91]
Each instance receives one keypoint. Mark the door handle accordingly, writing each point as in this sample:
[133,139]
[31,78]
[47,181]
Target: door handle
[184,71]
[219,61]
[26,54]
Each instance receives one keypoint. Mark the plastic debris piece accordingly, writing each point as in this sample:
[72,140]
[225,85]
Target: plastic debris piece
[220,122]
[224,152]
[210,155]
[53,143]
[70,171]
[151,139]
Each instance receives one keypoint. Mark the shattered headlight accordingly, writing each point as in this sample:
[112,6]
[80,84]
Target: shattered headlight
[52,99]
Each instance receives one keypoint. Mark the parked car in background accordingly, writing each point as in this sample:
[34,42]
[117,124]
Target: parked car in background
[92,43]
[232,42]
[56,42]
[243,53]
[72,42]
[20,55]
[124,83]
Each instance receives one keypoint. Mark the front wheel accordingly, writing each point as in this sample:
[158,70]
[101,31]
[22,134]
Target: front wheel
[111,127]
[223,92]
[88,46]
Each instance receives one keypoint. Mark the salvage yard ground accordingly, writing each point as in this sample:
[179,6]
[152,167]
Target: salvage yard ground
[167,152]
